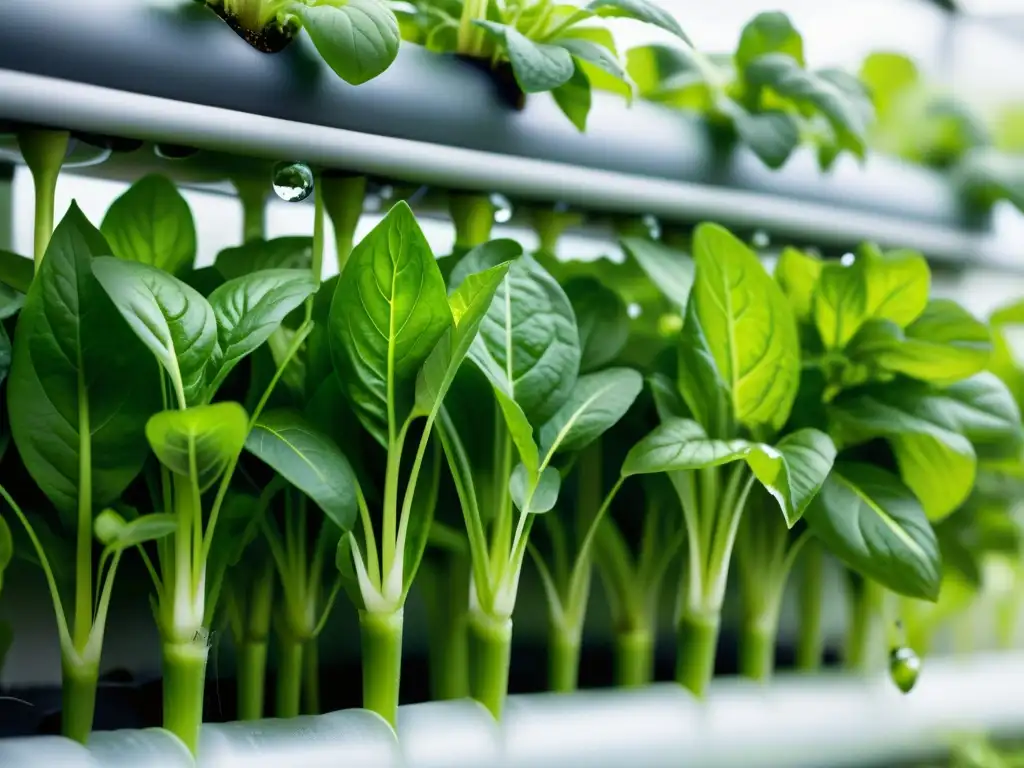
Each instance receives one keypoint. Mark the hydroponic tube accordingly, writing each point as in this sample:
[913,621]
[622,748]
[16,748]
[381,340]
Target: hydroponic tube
[823,721]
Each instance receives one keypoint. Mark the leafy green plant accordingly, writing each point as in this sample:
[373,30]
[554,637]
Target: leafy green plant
[763,94]
[358,39]
[542,46]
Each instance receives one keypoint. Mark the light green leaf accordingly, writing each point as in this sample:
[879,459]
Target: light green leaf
[594,53]
[16,271]
[421,516]
[641,10]
[79,378]
[537,67]
[595,405]
[797,274]
[115,533]
[468,304]
[602,321]
[769,32]
[670,270]
[248,309]
[533,499]
[309,460]
[681,444]
[257,255]
[750,329]
[358,39]
[152,224]
[172,319]
[944,345]
[874,524]
[389,310]
[204,437]
[794,470]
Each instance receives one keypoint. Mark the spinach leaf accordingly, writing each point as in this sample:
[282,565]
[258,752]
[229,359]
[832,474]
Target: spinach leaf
[358,39]
[200,441]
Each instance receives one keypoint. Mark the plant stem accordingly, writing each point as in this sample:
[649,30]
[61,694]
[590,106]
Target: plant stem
[78,699]
[184,666]
[864,637]
[289,676]
[311,677]
[252,194]
[447,587]
[44,152]
[811,641]
[697,638]
[490,650]
[473,217]
[344,198]
[381,642]
[634,658]
[252,668]
[563,659]
[757,648]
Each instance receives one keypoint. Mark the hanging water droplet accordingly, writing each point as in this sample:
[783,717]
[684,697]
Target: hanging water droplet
[904,667]
[386,192]
[761,240]
[173,151]
[634,310]
[653,226]
[293,182]
[502,208]
[847,259]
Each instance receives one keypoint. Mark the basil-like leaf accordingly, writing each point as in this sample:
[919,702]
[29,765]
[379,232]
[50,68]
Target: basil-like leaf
[201,440]
[641,10]
[537,67]
[670,270]
[797,274]
[769,32]
[358,39]
[595,405]
[257,255]
[574,97]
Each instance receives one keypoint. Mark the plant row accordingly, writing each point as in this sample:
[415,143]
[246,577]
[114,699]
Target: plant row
[265,439]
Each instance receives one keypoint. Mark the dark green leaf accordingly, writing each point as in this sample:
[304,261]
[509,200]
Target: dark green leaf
[700,383]
[573,97]
[537,67]
[198,442]
[16,271]
[602,320]
[152,224]
[358,39]
[772,134]
[256,255]
[596,404]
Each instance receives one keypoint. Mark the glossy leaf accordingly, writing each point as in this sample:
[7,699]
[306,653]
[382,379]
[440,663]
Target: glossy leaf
[309,460]
[248,309]
[389,310]
[794,470]
[598,401]
[574,97]
[536,499]
[672,271]
[681,444]
[874,524]
[750,329]
[152,224]
[358,39]
[114,532]
[701,385]
[641,10]
[172,319]
[199,441]
[537,66]
[602,321]
[257,255]
[79,377]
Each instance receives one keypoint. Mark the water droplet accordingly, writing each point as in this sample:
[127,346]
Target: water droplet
[904,667]
[173,151]
[847,259]
[760,240]
[653,226]
[502,208]
[634,310]
[293,182]
[386,192]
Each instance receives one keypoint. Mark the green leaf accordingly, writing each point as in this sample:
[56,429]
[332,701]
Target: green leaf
[389,310]
[357,39]
[771,134]
[873,523]
[699,381]
[421,516]
[309,460]
[6,549]
[602,321]
[594,53]
[16,271]
[641,10]
[750,329]
[172,319]
[595,405]
[115,533]
[79,378]
[528,345]
[573,97]
[671,270]
[769,32]
[944,345]
[797,274]
[468,304]
[152,224]
[681,444]
[794,470]
[533,499]
[888,76]
[257,255]
[204,437]
[248,309]
[537,67]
